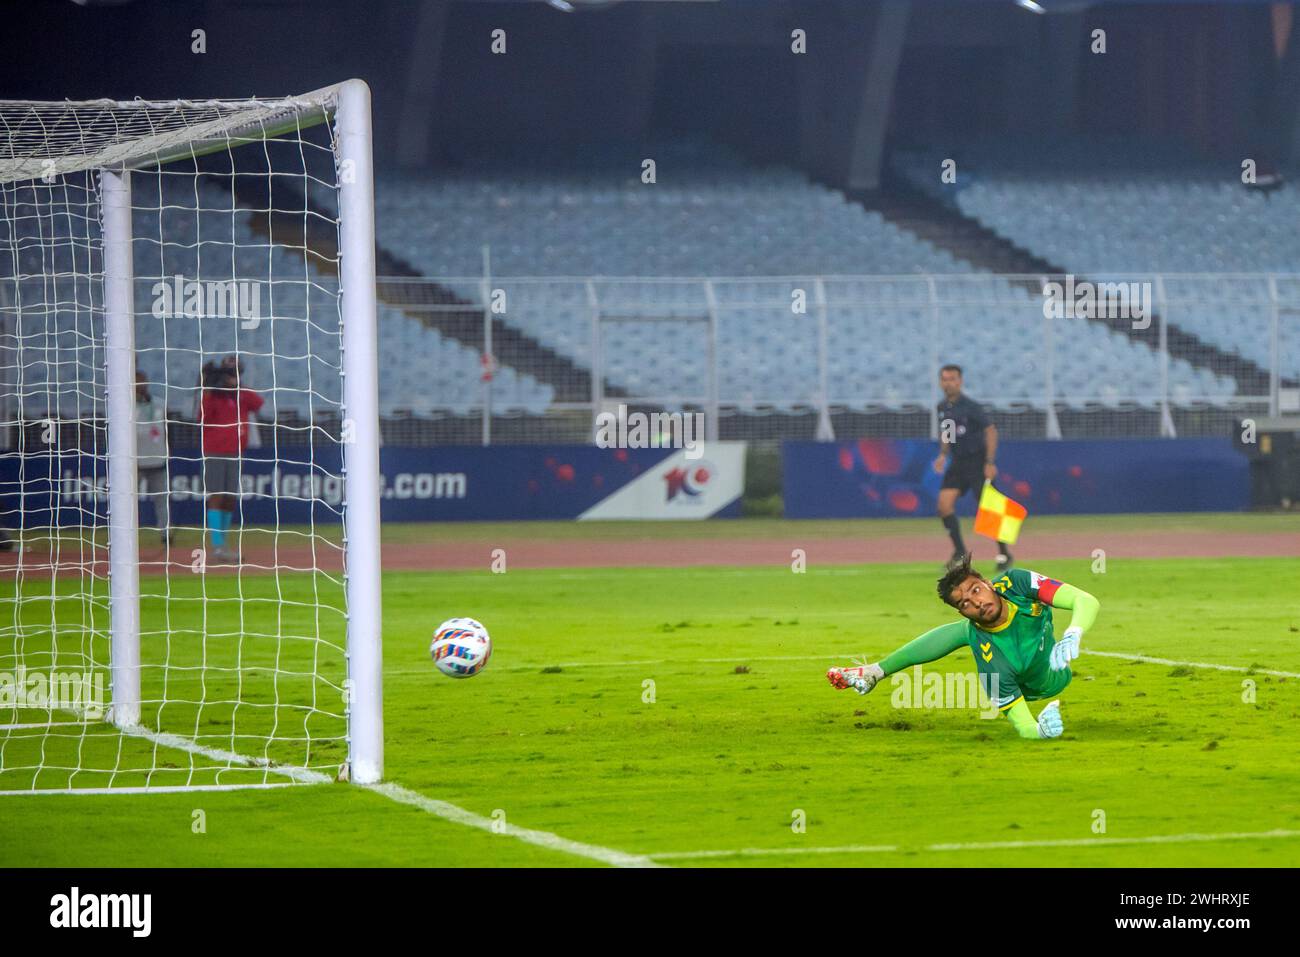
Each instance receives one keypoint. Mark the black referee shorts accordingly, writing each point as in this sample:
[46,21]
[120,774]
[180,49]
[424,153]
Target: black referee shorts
[964,476]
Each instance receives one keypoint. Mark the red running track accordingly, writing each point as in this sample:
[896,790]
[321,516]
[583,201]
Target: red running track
[593,553]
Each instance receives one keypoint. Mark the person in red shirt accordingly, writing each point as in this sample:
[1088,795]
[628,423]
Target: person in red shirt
[223,420]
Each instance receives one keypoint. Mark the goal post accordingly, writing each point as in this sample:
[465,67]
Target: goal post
[158,259]
[361,401]
[123,479]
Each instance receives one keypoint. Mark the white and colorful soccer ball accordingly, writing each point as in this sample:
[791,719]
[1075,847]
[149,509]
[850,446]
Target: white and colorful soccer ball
[461,647]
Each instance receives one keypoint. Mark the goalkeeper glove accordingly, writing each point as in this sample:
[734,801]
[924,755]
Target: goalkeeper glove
[1050,724]
[861,678]
[1067,649]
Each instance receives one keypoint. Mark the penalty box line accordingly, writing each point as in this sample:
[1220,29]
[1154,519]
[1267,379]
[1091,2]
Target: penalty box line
[1147,659]
[164,739]
[1122,655]
[394,792]
[297,775]
[552,842]
[1275,834]
[153,789]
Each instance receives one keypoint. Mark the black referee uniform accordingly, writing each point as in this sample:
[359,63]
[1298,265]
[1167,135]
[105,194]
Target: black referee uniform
[966,470]
[969,452]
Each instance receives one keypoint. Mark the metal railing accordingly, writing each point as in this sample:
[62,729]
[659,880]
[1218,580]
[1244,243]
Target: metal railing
[819,356]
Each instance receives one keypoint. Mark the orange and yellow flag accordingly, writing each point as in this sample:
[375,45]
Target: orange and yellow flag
[999,517]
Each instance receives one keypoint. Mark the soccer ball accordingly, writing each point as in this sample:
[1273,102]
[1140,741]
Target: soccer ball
[461,647]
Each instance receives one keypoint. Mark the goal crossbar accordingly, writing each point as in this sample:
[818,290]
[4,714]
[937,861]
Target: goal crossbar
[42,139]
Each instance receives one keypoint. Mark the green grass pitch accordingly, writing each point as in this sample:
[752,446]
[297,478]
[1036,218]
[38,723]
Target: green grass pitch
[743,734]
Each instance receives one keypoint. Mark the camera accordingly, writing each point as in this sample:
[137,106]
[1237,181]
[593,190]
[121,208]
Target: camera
[222,374]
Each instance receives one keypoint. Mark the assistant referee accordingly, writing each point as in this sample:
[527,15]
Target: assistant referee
[968,446]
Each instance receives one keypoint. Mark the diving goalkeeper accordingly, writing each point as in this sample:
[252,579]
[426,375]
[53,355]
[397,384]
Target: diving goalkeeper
[1008,627]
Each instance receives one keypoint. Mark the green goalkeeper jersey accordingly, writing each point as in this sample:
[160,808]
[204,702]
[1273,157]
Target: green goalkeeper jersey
[1013,658]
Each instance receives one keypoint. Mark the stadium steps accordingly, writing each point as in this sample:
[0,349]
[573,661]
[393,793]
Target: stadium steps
[315,239]
[523,353]
[946,227]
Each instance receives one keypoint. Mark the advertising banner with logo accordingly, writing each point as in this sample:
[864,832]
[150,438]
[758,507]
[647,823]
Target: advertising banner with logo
[448,483]
[894,477]
[681,487]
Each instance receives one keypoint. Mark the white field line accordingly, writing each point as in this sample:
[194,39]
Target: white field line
[300,775]
[553,842]
[656,661]
[1275,834]
[537,666]
[1126,656]
[775,852]
[1193,664]
[981,845]
[778,567]
[164,739]
[394,792]
[162,789]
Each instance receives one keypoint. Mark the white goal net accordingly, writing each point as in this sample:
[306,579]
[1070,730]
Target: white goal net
[188,444]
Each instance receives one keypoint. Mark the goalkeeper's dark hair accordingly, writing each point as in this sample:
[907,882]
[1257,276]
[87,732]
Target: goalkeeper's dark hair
[958,571]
